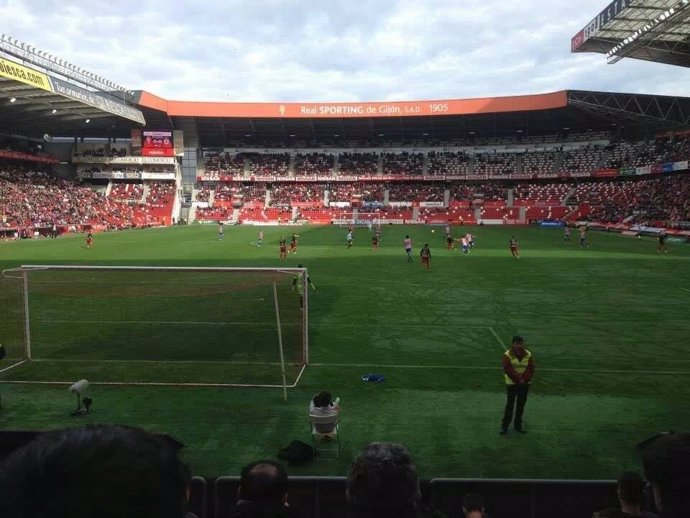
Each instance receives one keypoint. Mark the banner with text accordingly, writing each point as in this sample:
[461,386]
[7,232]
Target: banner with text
[96,100]
[26,75]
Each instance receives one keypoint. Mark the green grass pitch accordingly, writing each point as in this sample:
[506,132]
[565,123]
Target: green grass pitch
[608,327]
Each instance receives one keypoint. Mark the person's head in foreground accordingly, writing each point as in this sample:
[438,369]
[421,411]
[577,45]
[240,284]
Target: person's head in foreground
[104,471]
[263,482]
[667,468]
[473,506]
[382,483]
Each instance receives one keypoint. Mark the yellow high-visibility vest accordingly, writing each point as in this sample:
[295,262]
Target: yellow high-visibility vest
[520,366]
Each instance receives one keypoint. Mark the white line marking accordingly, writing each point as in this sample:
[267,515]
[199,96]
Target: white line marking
[221,362]
[497,368]
[141,384]
[498,338]
[152,322]
[263,324]
[13,366]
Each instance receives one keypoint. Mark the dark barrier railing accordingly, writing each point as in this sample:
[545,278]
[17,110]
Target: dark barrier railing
[324,497]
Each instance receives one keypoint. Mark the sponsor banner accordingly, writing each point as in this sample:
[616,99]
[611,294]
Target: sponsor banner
[157,152]
[577,40]
[400,204]
[123,160]
[339,204]
[26,75]
[593,27]
[133,175]
[16,155]
[96,100]
[603,173]
[551,223]
[612,10]
[680,166]
[476,177]
[311,178]
[656,169]
[627,171]
[646,229]
[201,204]
[667,168]
[157,160]
[431,204]
[158,176]
[356,109]
[647,169]
[453,178]
[118,175]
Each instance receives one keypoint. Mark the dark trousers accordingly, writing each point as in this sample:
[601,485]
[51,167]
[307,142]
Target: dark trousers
[513,392]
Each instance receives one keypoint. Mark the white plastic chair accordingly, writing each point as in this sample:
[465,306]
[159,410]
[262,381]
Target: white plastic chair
[325,442]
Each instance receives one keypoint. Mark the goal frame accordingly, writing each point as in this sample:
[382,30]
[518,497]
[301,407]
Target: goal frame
[24,270]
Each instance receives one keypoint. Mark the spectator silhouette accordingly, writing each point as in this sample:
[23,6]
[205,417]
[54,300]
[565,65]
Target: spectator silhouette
[98,471]
[630,491]
[667,468]
[262,492]
[383,483]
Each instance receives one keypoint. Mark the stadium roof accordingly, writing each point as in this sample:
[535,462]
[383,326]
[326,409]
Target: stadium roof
[653,30]
[39,96]
[572,111]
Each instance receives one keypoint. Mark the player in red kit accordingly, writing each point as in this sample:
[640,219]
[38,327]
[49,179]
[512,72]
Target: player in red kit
[425,254]
[89,240]
[283,248]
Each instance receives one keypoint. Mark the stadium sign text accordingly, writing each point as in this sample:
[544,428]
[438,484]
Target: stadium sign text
[12,70]
[599,22]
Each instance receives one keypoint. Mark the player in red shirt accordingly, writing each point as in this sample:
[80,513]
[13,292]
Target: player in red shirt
[89,240]
[293,243]
[425,254]
[283,248]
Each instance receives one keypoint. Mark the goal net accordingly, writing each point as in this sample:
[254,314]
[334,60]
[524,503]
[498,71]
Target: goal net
[155,325]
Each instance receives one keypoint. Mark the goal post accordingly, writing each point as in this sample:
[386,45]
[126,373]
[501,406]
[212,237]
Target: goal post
[155,325]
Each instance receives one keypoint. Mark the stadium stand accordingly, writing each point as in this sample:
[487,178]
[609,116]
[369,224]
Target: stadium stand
[361,164]
[449,163]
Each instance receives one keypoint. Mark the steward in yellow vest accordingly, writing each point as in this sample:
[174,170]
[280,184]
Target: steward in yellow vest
[518,370]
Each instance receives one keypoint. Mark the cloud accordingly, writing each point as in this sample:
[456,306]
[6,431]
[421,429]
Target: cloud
[291,50]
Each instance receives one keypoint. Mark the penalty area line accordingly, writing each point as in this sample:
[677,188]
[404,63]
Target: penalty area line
[498,338]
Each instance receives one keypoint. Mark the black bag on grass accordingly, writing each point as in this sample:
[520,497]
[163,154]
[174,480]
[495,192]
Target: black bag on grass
[297,452]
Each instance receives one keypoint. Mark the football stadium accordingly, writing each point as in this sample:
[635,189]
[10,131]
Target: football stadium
[202,269]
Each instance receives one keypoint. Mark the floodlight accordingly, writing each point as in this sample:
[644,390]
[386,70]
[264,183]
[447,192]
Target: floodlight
[54,111]
[87,121]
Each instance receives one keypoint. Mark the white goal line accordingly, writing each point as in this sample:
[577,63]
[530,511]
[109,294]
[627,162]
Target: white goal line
[171,322]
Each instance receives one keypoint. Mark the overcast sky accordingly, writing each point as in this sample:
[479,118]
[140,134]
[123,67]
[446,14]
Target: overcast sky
[332,50]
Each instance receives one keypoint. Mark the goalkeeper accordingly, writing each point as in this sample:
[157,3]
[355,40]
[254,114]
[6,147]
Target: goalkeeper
[298,281]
